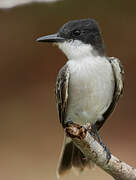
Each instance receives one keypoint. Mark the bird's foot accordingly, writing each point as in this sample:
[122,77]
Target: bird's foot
[95,134]
[108,153]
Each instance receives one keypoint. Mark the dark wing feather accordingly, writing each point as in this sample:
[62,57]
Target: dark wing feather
[62,93]
[119,83]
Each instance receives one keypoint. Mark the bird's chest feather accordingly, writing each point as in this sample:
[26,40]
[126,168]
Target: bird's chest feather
[91,89]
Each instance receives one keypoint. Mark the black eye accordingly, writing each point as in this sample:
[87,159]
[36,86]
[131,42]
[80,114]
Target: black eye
[76,32]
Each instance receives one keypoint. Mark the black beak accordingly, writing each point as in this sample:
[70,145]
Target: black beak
[50,38]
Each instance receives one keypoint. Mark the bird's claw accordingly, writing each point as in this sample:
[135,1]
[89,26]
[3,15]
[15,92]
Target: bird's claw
[108,153]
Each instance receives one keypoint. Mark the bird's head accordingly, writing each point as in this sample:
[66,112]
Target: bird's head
[78,38]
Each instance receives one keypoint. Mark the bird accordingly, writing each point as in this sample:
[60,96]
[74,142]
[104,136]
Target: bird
[88,86]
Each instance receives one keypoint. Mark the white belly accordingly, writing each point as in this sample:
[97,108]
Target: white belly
[91,89]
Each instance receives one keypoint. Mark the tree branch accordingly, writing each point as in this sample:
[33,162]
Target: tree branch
[94,151]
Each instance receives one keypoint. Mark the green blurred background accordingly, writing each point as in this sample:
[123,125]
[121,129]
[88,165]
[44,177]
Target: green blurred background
[30,133]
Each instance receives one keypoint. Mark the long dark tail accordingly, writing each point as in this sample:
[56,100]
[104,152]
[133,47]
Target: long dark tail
[70,157]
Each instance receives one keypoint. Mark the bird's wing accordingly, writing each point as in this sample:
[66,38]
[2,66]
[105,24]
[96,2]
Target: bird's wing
[61,92]
[119,83]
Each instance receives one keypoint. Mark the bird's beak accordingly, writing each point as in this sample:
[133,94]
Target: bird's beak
[50,38]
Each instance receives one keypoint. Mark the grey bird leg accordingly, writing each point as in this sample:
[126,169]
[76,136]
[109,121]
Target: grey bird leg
[94,132]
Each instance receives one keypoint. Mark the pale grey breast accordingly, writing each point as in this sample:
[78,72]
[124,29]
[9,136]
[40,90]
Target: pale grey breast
[91,89]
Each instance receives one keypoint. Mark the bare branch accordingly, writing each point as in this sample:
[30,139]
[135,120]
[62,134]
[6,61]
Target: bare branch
[93,150]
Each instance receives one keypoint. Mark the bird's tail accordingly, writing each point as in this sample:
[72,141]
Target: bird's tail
[70,157]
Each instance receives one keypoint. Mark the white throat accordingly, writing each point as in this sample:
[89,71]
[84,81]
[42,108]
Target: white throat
[76,49]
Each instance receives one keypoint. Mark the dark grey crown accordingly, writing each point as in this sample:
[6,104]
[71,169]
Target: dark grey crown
[85,30]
